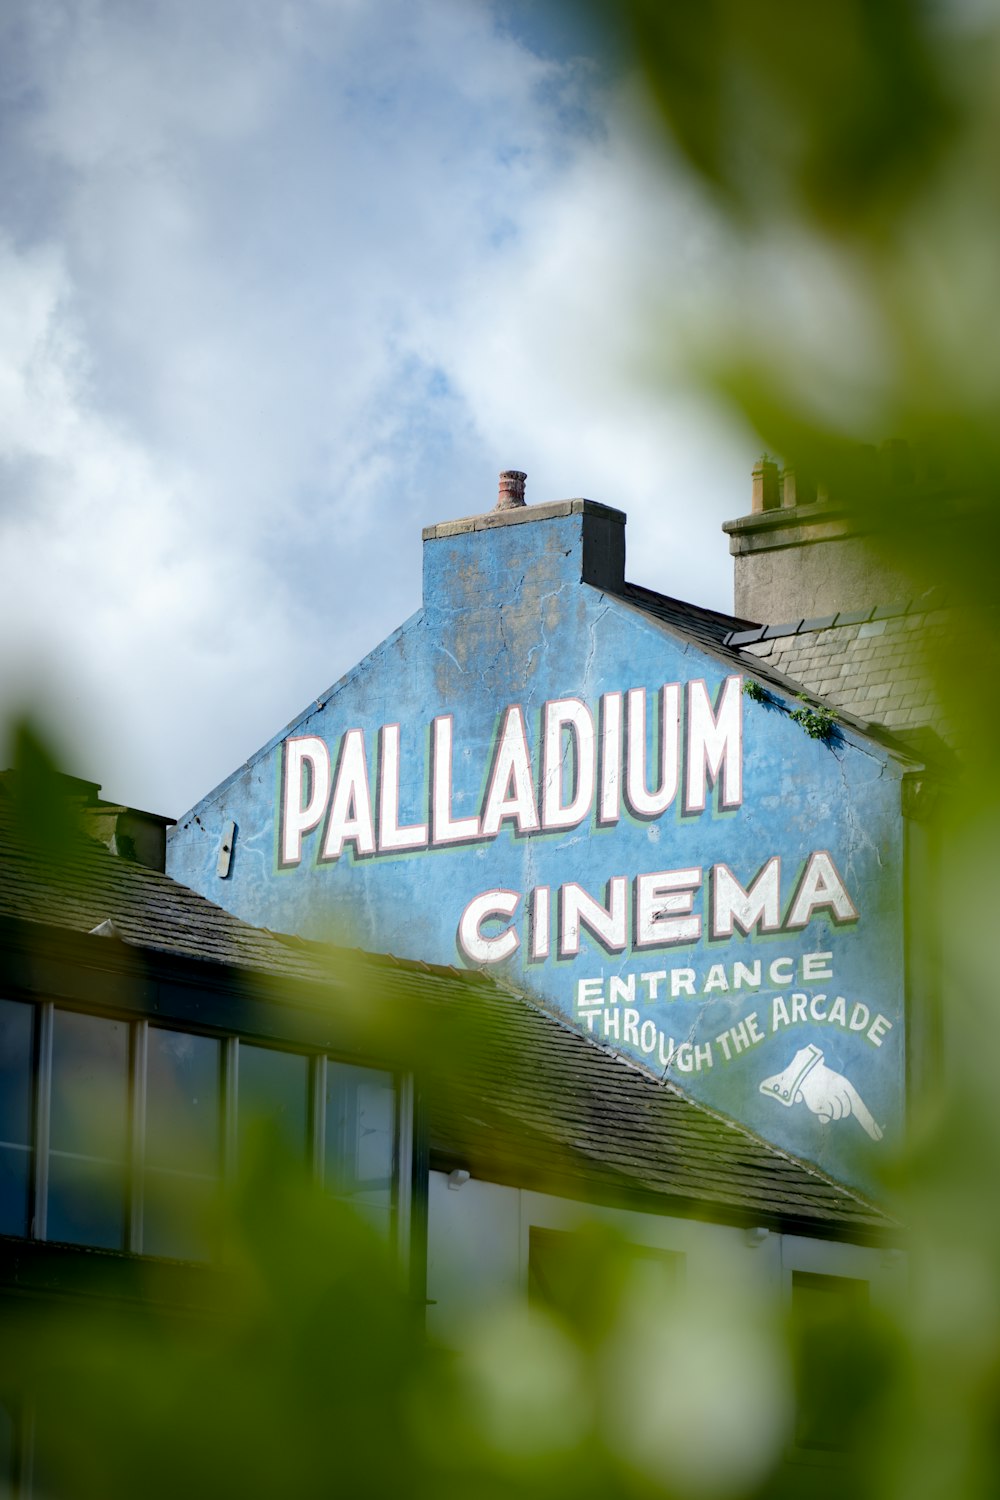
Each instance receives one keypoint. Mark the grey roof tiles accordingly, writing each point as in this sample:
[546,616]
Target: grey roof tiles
[512,1089]
[869,665]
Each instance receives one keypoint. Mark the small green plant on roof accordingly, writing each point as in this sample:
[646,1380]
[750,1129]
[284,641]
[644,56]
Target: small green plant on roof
[817,721]
[756,691]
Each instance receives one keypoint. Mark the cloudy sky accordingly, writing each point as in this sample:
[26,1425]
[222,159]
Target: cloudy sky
[283,281]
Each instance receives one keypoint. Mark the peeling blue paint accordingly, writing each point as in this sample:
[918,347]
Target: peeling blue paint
[508,628]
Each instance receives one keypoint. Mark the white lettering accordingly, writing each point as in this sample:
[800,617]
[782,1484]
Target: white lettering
[878,1029]
[646,803]
[589,992]
[820,887]
[714,744]
[511,793]
[838,1012]
[447,829]
[621,989]
[758,907]
[609,809]
[391,833]
[540,923]
[350,817]
[478,948]
[816,966]
[297,817]
[658,898]
[609,924]
[560,715]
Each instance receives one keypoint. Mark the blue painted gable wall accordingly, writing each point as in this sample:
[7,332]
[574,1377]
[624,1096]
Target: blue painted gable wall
[797,1032]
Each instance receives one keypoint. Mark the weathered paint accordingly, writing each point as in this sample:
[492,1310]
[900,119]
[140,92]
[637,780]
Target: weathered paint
[406,811]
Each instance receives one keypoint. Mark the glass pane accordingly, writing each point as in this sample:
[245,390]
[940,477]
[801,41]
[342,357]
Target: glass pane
[832,1392]
[88,1130]
[183,1143]
[8,1452]
[361,1137]
[565,1265]
[16,1039]
[273,1096]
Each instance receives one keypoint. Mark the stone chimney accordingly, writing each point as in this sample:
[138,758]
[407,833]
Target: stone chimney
[516,551]
[803,553]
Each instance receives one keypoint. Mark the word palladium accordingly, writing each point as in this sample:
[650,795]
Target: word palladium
[579,775]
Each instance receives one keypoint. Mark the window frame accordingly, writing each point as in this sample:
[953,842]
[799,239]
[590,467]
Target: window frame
[138,1021]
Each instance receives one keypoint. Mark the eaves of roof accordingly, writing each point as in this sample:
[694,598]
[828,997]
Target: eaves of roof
[719,635]
[509,1086]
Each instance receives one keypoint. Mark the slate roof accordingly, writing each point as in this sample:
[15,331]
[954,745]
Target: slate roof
[591,1117]
[874,667]
[513,1091]
[83,885]
[709,626]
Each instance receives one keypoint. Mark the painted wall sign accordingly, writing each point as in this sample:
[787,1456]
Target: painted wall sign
[538,776]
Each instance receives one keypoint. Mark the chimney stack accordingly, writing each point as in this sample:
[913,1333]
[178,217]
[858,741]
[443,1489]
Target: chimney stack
[511,495]
[765,494]
[803,553]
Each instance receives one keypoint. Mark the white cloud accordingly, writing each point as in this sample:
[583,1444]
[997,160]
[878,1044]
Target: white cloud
[280,284]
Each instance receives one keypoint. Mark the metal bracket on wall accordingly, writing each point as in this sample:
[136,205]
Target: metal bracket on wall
[226,851]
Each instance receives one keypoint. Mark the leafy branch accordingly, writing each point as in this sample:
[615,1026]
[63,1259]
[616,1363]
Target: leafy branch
[818,722]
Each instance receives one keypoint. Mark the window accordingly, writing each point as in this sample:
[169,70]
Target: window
[572,1272]
[273,1098]
[88,1130]
[832,1389]
[183,1142]
[16,1053]
[8,1451]
[113,1132]
[361,1139]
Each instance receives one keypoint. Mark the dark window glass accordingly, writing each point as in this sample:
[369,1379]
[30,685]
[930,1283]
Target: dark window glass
[88,1131]
[273,1097]
[361,1138]
[565,1267]
[8,1452]
[829,1314]
[183,1163]
[16,1037]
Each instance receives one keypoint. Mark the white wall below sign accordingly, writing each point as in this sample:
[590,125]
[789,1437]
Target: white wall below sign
[479,1235]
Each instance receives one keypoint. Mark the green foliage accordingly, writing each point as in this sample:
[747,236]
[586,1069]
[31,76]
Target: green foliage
[754,691]
[818,722]
[846,155]
[45,803]
[848,150]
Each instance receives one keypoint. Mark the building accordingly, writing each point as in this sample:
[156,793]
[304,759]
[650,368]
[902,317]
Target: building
[618,804]
[648,959]
[146,1033]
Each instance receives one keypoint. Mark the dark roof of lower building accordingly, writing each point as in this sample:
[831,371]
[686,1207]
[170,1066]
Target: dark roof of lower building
[592,1117]
[513,1091]
[76,884]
